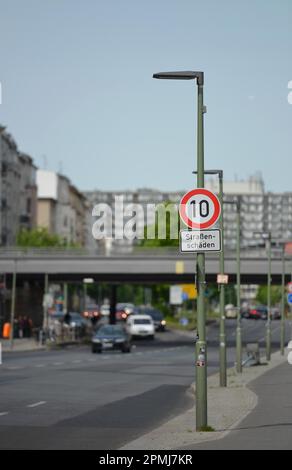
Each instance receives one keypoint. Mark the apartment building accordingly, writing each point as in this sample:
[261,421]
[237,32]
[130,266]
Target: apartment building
[17,190]
[61,208]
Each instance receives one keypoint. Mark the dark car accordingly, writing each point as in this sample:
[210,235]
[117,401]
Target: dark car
[157,317]
[260,312]
[110,337]
[71,319]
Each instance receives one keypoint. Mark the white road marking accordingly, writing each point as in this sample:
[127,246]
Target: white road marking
[40,365]
[4,413]
[14,367]
[58,363]
[39,403]
[77,361]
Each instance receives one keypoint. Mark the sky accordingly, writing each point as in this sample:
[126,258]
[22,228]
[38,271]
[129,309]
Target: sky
[78,93]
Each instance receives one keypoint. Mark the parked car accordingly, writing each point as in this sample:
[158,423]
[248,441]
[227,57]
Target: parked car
[140,325]
[72,320]
[156,315]
[230,311]
[111,337]
[275,314]
[259,312]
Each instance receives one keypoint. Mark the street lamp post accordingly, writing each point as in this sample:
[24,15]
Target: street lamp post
[282,334]
[222,339]
[201,346]
[238,282]
[267,236]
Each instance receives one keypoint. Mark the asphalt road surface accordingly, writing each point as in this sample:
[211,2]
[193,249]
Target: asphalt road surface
[73,399]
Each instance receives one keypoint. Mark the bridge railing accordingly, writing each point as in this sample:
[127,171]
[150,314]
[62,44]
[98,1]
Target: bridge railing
[127,252]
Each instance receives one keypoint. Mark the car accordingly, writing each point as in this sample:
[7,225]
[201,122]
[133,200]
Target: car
[156,315]
[230,311]
[79,323]
[71,319]
[123,310]
[275,313]
[92,312]
[109,337]
[259,312]
[140,325]
[105,310]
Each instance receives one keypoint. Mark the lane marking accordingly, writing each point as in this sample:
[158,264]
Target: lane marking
[40,365]
[39,403]
[14,367]
[58,363]
[77,361]
[4,413]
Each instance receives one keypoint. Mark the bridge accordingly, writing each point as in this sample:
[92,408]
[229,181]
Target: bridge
[139,266]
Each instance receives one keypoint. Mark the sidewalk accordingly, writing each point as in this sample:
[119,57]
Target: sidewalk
[269,426]
[228,407]
[24,344]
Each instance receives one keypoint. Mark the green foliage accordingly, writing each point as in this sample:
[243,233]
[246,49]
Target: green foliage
[39,238]
[262,295]
[162,219]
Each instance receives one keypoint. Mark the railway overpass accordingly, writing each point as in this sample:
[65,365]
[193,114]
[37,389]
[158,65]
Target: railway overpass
[141,266]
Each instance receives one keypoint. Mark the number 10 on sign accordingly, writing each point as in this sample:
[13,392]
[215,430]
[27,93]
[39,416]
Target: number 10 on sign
[200,209]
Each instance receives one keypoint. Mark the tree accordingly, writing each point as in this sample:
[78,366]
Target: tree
[262,295]
[165,229]
[39,238]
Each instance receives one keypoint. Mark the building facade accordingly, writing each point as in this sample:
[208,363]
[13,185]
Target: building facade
[17,190]
[260,211]
[61,208]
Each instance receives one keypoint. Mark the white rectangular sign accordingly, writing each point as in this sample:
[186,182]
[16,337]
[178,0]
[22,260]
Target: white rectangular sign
[175,295]
[196,241]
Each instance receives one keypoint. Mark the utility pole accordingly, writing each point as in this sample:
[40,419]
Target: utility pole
[268,339]
[201,345]
[12,312]
[282,339]
[267,236]
[238,279]
[222,339]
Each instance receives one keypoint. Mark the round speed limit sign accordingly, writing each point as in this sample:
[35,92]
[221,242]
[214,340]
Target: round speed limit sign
[200,208]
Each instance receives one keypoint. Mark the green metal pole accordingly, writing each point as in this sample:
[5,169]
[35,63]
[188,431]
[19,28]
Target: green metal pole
[222,345]
[45,307]
[84,296]
[12,313]
[238,329]
[201,347]
[268,332]
[65,305]
[282,340]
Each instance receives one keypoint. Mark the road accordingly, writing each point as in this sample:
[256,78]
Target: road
[72,399]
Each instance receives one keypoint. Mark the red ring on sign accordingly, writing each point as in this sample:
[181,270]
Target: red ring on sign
[205,192]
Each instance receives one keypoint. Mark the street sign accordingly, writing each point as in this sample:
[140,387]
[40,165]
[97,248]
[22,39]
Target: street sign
[175,295]
[288,248]
[289,287]
[196,241]
[189,291]
[289,298]
[48,301]
[199,208]
[222,278]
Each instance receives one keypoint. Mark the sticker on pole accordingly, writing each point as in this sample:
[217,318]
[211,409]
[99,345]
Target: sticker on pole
[196,241]
[289,298]
[289,287]
[200,208]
